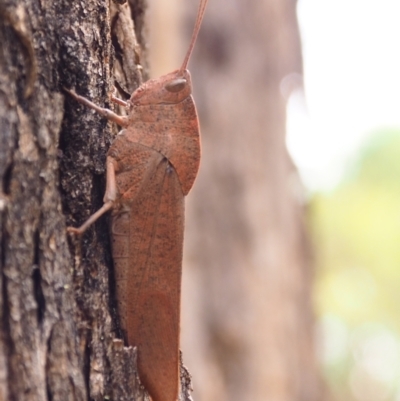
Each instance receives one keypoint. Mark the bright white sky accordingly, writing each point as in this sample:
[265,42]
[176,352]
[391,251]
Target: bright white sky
[351,51]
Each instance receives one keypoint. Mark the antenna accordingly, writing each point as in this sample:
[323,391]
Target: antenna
[200,15]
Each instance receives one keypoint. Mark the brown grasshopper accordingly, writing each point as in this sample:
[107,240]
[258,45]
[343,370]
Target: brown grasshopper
[151,166]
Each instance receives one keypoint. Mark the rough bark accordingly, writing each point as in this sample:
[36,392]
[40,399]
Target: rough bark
[59,335]
[248,320]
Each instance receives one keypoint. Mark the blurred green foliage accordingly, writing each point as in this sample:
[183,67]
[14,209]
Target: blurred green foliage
[356,233]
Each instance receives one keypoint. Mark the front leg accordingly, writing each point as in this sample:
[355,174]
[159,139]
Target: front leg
[109,199]
[119,101]
[110,115]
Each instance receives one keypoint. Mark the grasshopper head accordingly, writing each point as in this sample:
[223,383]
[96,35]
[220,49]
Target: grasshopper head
[175,86]
[168,89]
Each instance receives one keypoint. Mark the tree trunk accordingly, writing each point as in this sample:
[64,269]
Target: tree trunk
[59,337]
[248,320]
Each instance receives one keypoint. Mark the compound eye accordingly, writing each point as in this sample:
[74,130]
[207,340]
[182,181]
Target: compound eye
[176,85]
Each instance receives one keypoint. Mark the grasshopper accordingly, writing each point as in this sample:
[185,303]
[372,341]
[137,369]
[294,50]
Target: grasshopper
[151,167]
